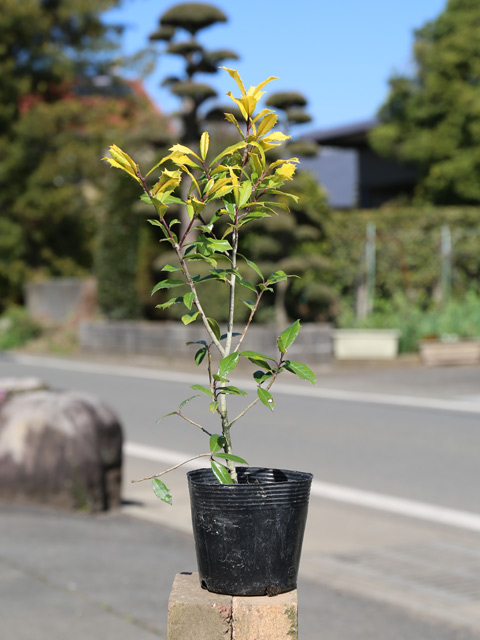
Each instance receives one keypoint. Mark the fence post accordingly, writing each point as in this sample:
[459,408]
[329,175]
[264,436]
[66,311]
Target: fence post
[446,255]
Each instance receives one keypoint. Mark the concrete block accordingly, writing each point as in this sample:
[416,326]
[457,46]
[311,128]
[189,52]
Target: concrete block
[197,614]
[265,618]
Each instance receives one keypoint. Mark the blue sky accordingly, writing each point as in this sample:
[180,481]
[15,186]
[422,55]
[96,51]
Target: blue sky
[338,53]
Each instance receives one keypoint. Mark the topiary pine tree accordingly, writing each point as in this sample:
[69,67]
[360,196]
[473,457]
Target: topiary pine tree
[432,119]
[191,17]
[292,104]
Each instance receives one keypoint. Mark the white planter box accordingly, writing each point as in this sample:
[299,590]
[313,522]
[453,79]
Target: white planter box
[436,353]
[365,344]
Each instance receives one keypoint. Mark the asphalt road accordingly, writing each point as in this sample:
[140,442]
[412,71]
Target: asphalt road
[366,573]
[412,452]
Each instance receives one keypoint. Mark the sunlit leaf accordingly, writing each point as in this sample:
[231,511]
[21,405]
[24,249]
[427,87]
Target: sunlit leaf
[288,336]
[232,391]
[204,142]
[230,456]
[205,390]
[188,299]
[169,303]
[228,364]
[190,317]
[187,400]
[216,442]
[301,370]
[221,472]
[214,326]
[167,284]
[266,398]
[161,490]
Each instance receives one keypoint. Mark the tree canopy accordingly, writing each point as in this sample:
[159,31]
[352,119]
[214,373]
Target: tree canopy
[60,103]
[432,119]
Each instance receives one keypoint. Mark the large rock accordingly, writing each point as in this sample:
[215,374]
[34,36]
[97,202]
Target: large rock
[63,449]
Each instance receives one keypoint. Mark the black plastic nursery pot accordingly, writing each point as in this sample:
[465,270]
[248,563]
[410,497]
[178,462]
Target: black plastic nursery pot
[248,536]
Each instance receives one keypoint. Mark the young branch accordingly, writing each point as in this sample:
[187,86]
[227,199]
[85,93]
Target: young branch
[180,464]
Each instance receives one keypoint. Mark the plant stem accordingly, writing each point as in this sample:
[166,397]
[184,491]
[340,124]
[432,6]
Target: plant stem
[180,464]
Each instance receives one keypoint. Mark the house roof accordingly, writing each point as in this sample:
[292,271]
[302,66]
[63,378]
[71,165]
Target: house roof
[348,136]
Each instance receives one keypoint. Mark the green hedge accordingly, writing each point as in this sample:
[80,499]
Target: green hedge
[408,250]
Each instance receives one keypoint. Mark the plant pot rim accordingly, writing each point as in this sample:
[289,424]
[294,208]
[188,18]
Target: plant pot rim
[264,477]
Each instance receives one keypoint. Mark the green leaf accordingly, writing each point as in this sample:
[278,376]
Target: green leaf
[188,299]
[266,398]
[214,326]
[167,284]
[161,490]
[288,337]
[190,317]
[221,473]
[301,370]
[255,267]
[213,406]
[169,267]
[219,246]
[205,390]
[169,303]
[262,376]
[228,364]
[245,193]
[187,400]
[277,276]
[172,413]
[200,355]
[230,456]
[246,284]
[249,304]
[216,442]
[258,358]
[232,391]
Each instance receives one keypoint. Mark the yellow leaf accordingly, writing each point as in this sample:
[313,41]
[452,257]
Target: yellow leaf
[262,113]
[267,123]
[286,170]
[236,76]
[231,118]
[122,157]
[249,104]
[276,136]
[204,142]
[118,165]
[277,163]
[168,182]
[180,148]
[235,184]
[257,91]
[239,104]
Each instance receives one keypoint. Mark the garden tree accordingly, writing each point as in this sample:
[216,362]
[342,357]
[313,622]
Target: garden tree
[294,243]
[61,105]
[174,25]
[432,120]
[191,17]
[124,273]
[292,105]
[44,149]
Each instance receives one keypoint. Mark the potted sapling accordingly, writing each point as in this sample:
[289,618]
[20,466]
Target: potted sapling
[248,522]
